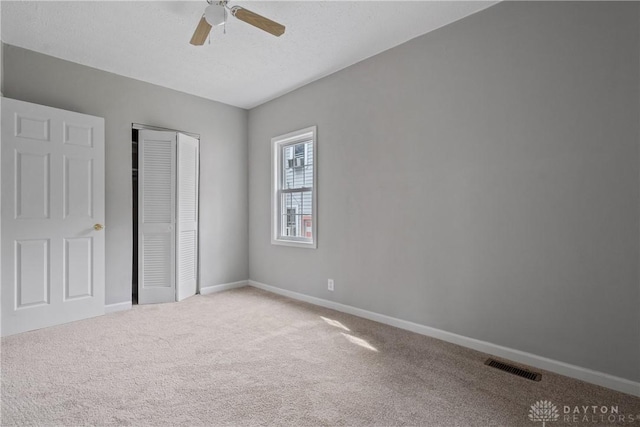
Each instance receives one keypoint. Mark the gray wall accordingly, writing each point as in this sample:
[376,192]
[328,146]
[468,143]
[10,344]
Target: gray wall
[482,179]
[1,56]
[45,80]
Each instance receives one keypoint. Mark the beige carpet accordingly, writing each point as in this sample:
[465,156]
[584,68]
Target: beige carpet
[247,357]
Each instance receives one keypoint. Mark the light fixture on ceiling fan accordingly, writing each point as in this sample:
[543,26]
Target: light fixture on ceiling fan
[216,14]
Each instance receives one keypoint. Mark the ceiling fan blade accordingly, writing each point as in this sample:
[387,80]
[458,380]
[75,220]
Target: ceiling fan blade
[259,21]
[201,33]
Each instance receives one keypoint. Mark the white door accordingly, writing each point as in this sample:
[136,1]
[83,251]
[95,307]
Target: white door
[187,218]
[156,216]
[52,240]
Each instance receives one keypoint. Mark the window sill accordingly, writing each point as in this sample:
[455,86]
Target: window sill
[294,243]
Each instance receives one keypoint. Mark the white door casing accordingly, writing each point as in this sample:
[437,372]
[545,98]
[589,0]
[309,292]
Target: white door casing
[187,217]
[53,262]
[156,216]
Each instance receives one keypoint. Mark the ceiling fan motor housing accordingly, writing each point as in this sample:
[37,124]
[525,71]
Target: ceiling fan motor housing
[215,14]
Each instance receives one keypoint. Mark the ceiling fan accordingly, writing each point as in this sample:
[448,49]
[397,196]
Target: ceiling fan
[216,14]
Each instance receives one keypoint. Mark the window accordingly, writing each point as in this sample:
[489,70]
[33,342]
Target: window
[294,207]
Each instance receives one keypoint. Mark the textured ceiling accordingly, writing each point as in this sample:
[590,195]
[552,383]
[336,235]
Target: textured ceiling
[149,40]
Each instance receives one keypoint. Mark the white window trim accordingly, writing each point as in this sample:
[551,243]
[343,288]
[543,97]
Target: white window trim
[276,166]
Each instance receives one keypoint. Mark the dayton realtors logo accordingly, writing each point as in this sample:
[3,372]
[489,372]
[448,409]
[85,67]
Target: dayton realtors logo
[544,411]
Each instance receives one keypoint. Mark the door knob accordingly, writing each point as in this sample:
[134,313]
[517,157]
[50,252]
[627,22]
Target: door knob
[98,227]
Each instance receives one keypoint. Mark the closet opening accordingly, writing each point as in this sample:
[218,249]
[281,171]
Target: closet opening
[165,179]
[134,180]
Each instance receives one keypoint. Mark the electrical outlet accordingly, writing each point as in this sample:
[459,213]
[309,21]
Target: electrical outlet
[330,285]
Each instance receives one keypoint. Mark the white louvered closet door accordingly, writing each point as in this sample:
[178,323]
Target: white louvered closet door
[187,220]
[156,216]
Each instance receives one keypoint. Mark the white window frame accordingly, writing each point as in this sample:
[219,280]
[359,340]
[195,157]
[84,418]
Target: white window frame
[277,166]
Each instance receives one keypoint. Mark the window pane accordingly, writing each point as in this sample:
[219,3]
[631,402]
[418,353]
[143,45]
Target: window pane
[296,209]
[297,166]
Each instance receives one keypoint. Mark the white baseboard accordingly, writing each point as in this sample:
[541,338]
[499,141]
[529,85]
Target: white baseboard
[121,306]
[223,287]
[562,368]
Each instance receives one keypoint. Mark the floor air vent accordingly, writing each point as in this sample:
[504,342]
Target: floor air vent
[533,376]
